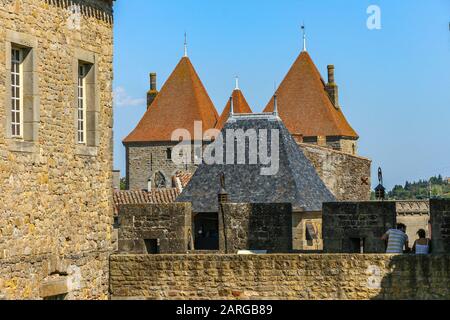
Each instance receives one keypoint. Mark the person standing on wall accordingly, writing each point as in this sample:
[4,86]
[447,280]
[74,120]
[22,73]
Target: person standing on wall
[397,240]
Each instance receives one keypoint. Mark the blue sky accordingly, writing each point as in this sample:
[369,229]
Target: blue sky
[394,82]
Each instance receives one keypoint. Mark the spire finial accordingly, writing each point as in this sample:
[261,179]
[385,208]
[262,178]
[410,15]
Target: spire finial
[275,101]
[304,36]
[237,83]
[185,45]
[231,107]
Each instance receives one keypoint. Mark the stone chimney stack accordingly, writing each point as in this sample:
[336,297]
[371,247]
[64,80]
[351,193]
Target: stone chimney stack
[332,88]
[153,92]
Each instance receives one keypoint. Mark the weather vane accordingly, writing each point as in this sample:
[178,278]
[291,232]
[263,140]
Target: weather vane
[185,45]
[380,190]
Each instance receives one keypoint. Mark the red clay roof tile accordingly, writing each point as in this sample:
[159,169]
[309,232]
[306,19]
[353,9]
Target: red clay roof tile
[157,196]
[304,104]
[182,101]
[183,177]
[240,105]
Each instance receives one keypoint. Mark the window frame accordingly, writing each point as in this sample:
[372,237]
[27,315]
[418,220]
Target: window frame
[16,89]
[92,102]
[27,140]
[81,108]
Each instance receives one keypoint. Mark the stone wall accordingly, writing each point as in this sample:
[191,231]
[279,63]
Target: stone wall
[55,196]
[168,224]
[300,222]
[347,176]
[144,161]
[415,214]
[350,227]
[312,277]
[257,227]
[440,220]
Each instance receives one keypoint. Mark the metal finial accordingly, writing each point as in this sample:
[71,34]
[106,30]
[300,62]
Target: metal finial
[231,106]
[222,180]
[237,83]
[304,36]
[380,190]
[185,45]
[380,176]
[275,105]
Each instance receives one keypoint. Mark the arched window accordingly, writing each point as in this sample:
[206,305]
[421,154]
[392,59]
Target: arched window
[160,180]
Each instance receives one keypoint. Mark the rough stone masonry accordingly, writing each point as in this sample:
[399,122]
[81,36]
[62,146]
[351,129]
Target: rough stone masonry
[278,277]
[55,194]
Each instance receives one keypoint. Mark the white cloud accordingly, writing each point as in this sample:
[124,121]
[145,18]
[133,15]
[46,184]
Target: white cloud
[123,99]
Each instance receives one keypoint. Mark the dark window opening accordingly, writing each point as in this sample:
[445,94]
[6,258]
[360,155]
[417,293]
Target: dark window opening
[169,153]
[58,297]
[116,224]
[206,231]
[357,245]
[310,140]
[152,246]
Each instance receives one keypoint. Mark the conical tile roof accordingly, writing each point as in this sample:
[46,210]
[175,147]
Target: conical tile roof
[240,105]
[304,104]
[182,101]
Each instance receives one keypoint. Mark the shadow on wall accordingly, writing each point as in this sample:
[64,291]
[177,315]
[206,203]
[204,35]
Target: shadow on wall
[413,277]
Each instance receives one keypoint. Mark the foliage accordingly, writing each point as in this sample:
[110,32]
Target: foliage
[123,184]
[435,187]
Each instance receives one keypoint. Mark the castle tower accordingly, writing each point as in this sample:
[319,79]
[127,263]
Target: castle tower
[240,106]
[310,108]
[56,107]
[182,101]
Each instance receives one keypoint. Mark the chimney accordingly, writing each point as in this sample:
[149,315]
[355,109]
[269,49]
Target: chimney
[332,88]
[153,92]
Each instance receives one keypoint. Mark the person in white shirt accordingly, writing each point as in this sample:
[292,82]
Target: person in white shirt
[397,240]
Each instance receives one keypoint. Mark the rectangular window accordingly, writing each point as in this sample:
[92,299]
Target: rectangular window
[81,104]
[169,153]
[16,93]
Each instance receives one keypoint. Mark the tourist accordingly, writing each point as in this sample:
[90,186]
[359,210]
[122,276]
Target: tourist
[423,244]
[396,239]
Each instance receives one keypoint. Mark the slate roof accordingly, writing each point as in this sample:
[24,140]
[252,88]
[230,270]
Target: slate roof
[304,104]
[182,101]
[296,182]
[240,105]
